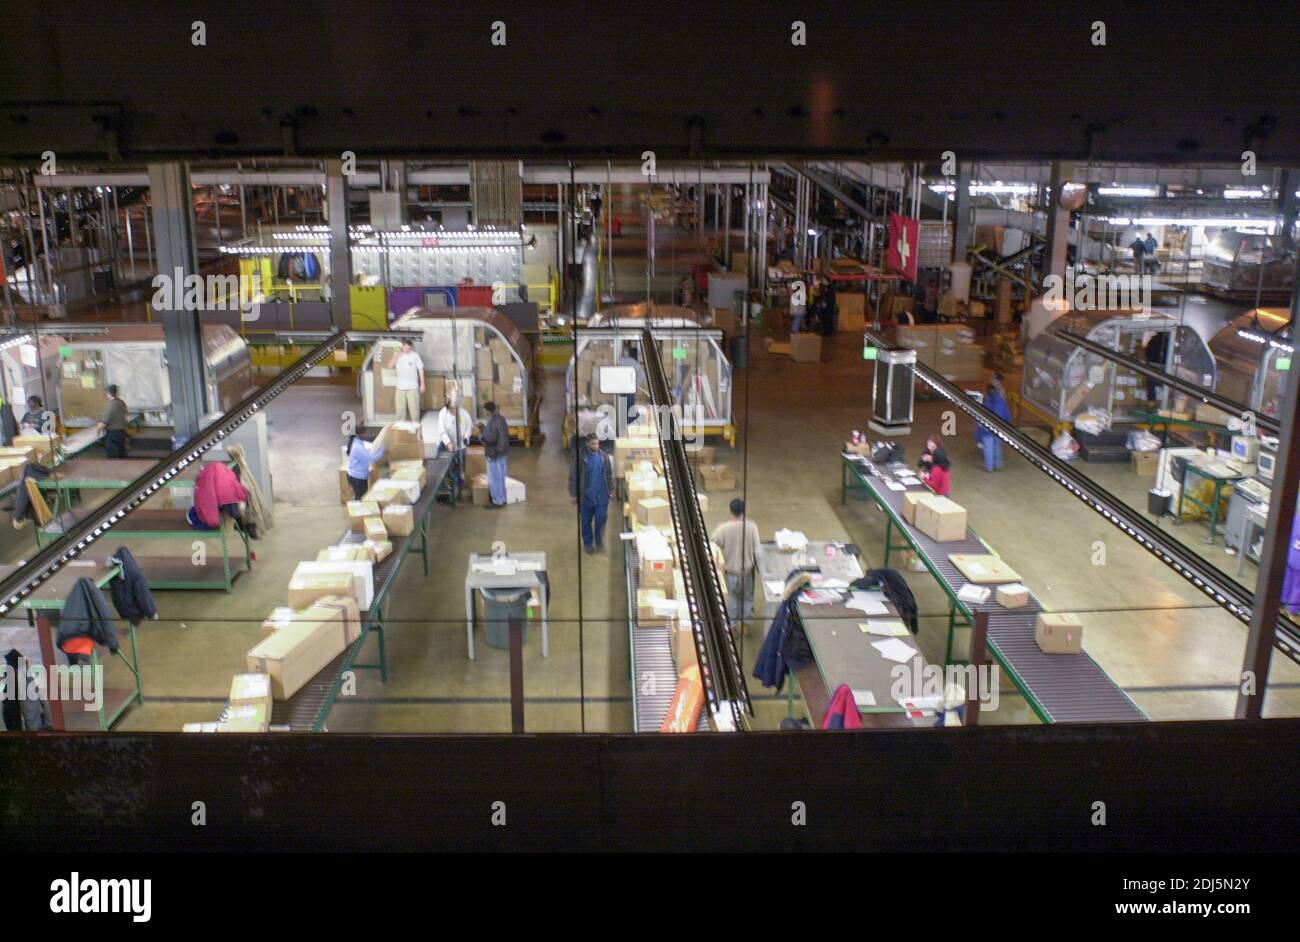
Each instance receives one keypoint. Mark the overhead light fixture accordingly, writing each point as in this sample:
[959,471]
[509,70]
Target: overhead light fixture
[1267,224]
[1117,190]
[1242,193]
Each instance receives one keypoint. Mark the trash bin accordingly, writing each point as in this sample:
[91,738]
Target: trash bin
[499,606]
[740,352]
[1158,502]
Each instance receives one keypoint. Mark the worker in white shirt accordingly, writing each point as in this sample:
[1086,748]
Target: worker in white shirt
[738,538]
[452,440]
[410,381]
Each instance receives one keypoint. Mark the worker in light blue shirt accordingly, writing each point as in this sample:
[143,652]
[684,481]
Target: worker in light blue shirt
[361,455]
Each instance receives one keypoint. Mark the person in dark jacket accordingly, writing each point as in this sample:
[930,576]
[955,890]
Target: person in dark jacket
[495,437]
[786,646]
[25,714]
[22,500]
[85,615]
[131,594]
[591,485]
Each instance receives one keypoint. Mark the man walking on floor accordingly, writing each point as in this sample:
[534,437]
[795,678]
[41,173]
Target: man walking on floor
[410,381]
[496,445]
[112,424]
[739,540]
[591,484]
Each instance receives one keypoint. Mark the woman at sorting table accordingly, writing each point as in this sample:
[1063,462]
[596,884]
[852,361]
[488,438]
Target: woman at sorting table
[935,467]
[361,455]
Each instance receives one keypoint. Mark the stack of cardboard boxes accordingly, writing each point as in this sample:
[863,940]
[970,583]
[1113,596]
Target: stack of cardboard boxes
[586,375]
[853,310]
[500,379]
[948,349]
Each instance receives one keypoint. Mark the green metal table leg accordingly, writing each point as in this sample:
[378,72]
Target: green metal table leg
[844,482]
[383,650]
[889,537]
[952,631]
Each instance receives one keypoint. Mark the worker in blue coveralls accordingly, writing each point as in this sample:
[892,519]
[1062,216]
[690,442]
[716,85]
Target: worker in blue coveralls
[591,485]
[995,400]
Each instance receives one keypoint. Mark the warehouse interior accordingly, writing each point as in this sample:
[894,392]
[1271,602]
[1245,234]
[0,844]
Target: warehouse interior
[465,392]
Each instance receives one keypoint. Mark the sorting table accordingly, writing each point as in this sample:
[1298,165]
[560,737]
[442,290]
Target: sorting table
[1057,688]
[1217,473]
[529,575]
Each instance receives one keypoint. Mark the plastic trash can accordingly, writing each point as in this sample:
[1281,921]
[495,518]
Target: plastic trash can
[740,352]
[499,606]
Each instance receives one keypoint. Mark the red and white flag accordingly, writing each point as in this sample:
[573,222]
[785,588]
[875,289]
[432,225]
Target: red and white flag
[904,233]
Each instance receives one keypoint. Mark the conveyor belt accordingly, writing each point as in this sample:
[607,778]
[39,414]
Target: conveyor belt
[307,710]
[1068,689]
[651,655]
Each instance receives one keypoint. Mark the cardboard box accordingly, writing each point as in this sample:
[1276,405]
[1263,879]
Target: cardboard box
[399,519]
[42,446]
[383,495]
[251,690]
[653,511]
[657,572]
[380,549]
[1013,595]
[516,493]
[351,552]
[479,490]
[724,318]
[410,473]
[1145,463]
[1058,633]
[941,519]
[375,529]
[862,448]
[806,348]
[361,584]
[246,718]
[983,568]
[646,485]
[649,603]
[475,461]
[298,652]
[404,440]
[306,588]
[717,477]
[911,500]
[683,646]
[398,491]
[358,511]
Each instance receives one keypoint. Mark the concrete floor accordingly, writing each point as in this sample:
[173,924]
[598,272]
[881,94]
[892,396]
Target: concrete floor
[1176,656]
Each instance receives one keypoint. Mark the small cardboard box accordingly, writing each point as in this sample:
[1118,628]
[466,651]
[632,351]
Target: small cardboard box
[298,652]
[351,552]
[516,492]
[404,441]
[246,718]
[1058,633]
[251,690]
[475,461]
[380,549]
[1013,595]
[375,529]
[717,477]
[647,602]
[683,646]
[43,446]
[1145,463]
[358,511]
[399,491]
[941,519]
[399,519]
[657,571]
[410,473]
[861,448]
[806,348]
[646,485]
[653,511]
[911,500]
[361,575]
[479,490]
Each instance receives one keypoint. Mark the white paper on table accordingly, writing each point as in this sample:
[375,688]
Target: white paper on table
[774,586]
[894,650]
[791,539]
[629,535]
[867,603]
[895,486]
[887,627]
[929,704]
[978,594]
[28,353]
[828,582]
[864,698]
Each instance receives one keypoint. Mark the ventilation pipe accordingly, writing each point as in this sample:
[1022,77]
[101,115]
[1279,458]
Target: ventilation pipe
[587,300]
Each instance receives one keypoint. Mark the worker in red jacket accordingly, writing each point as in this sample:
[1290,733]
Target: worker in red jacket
[935,467]
[215,490]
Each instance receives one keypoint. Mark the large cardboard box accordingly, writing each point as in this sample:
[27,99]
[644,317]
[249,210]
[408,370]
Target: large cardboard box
[1058,633]
[646,485]
[983,568]
[404,441]
[806,348]
[475,461]
[298,652]
[1145,463]
[361,576]
[403,471]
[43,446]
[251,690]
[246,718]
[653,511]
[350,552]
[479,490]
[358,511]
[398,491]
[911,500]
[941,519]
[323,609]
[399,519]
[683,646]
[306,588]
[717,477]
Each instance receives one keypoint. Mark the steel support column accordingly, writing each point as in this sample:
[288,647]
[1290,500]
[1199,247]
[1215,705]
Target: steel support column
[961,215]
[172,196]
[336,198]
[1288,205]
[1273,557]
[1058,222]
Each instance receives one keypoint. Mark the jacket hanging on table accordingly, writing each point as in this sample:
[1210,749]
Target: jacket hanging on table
[896,589]
[86,614]
[784,649]
[131,594]
[216,487]
[843,711]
